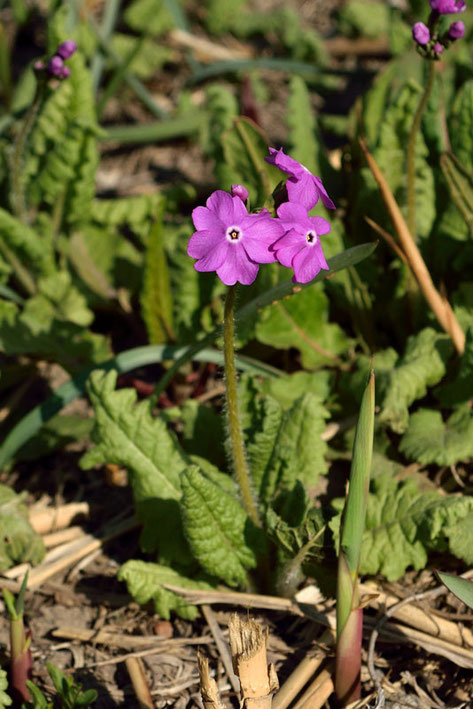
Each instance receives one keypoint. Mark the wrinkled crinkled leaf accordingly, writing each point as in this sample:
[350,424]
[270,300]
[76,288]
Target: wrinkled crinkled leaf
[429,439]
[302,322]
[5,700]
[216,526]
[19,542]
[126,433]
[399,517]
[460,389]
[145,583]
[292,386]
[203,431]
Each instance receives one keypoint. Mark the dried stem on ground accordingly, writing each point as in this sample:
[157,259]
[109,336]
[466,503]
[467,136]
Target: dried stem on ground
[258,680]
[50,519]
[136,671]
[208,686]
[439,305]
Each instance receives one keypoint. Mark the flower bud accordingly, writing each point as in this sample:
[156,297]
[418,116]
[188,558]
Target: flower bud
[55,66]
[456,30]
[438,48]
[420,33]
[240,191]
[66,49]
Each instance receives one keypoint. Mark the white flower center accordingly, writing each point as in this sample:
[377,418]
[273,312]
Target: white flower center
[233,234]
[311,237]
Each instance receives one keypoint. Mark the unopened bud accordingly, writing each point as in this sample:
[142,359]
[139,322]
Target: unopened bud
[240,191]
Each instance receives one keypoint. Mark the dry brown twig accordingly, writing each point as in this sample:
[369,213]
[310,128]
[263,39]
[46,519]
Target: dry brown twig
[438,304]
[258,680]
[208,686]
[136,671]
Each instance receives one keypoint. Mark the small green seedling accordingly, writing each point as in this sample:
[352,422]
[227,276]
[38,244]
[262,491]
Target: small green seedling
[69,692]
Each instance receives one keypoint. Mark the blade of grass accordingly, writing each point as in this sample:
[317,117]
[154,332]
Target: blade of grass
[461,588]
[179,127]
[118,77]
[124,362]
[112,8]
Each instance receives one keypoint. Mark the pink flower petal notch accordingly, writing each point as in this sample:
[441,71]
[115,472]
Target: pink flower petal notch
[230,241]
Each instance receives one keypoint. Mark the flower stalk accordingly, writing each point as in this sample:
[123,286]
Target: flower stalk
[349,610]
[242,472]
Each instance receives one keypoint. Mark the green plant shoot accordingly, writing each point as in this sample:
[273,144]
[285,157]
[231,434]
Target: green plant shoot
[349,611]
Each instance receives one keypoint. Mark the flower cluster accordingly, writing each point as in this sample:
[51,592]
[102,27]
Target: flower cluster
[429,42]
[55,67]
[233,242]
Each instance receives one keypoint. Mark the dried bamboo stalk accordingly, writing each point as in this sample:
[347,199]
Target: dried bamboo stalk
[54,539]
[421,619]
[50,519]
[258,680]
[208,686]
[136,671]
[317,692]
[302,674]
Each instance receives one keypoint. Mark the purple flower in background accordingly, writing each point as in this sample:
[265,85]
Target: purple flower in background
[300,246]
[447,7]
[302,186]
[55,66]
[230,241]
[240,191]
[456,30]
[438,48]
[66,49]
[420,33]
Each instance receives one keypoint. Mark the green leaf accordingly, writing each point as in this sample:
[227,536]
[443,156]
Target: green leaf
[417,521]
[149,16]
[429,440]
[461,588]
[5,700]
[403,380]
[149,56]
[127,434]
[461,126]
[216,527]
[304,145]
[26,243]
[302,322]
[460,185]
[19,543]
[203,432]
[261,431]
[292,386]
[146,581]
[460,390]
[156,298]
[364,18]
[244,148]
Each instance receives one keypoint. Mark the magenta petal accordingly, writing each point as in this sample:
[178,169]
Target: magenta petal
[320,225]
[306,265]
[293,216]
[221,203]
[303,190]
[205,219]
[286,255]
[214,258]
[239,210]
[237,267]
[290,238]
[326,201]
[258,251]
[203,242]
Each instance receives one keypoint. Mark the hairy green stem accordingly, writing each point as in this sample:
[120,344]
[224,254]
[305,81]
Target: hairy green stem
[411,151]
[234,426]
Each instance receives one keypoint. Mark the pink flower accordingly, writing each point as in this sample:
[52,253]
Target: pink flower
[302,186]
[438,48]
[300,246]
[230,241]
[456,30]
[447,7]
[420,33]
[240,191]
